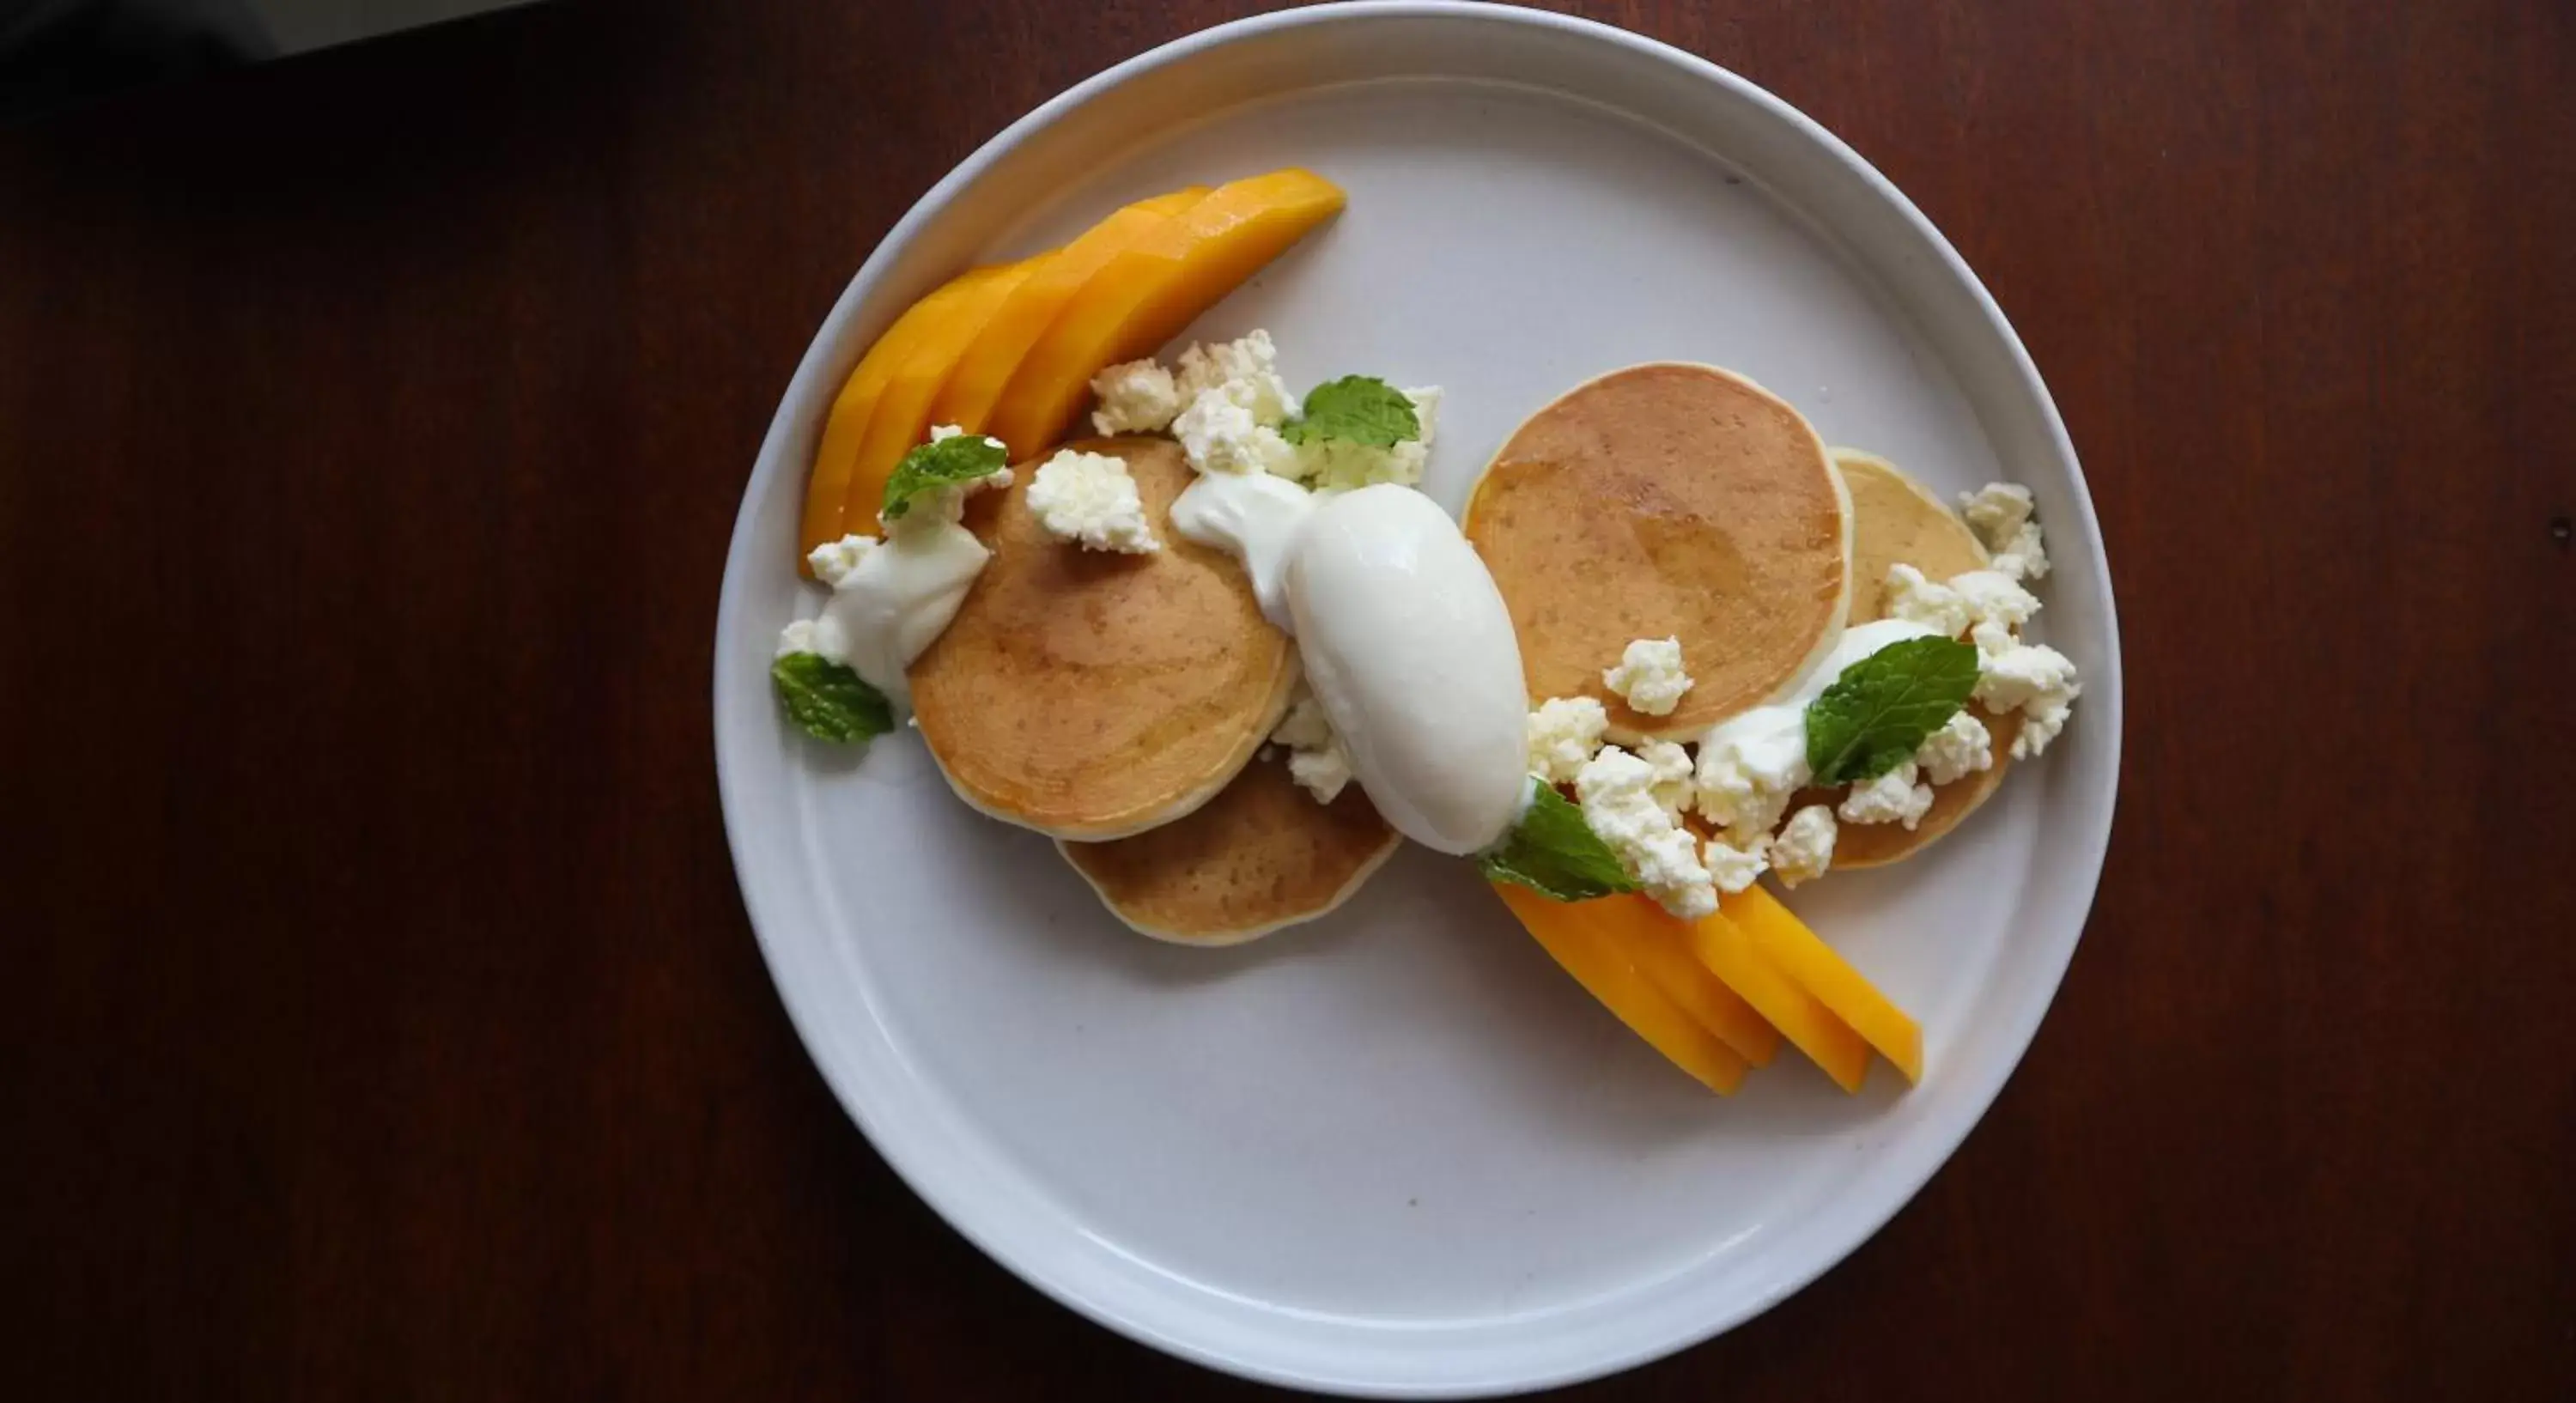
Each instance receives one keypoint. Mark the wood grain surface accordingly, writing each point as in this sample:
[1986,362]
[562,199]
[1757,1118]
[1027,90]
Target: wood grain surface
[381,1018]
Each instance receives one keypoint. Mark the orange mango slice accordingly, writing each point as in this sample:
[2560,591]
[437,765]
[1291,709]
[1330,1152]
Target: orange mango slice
[1803,1018]
[1784,941]
[1576,943]
[828,487]
[902,419]
[975,386]
[1657,945]
[1149,291]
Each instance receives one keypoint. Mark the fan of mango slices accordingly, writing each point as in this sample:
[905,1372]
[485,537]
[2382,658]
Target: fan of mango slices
[1010,350]
[1717,995]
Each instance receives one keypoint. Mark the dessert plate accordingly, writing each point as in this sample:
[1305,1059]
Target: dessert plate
[1397,1152]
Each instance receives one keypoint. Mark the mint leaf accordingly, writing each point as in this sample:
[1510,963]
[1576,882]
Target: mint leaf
[1878,712]
[1553,852]
[954,459]
[829,700]
[1357,408]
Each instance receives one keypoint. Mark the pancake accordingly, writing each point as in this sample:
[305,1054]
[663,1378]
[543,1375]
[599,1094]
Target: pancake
[1667,500]
[1895,520]
[1259,856]
[1091,695]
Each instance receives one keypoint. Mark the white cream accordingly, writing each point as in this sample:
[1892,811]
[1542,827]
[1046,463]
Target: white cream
[897,600]
[1256,517]
[1409,647]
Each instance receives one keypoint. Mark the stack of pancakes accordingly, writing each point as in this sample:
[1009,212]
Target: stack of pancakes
[1120,704]
[1683,501]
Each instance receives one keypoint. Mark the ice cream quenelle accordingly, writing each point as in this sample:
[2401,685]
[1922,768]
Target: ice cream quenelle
[1409,648]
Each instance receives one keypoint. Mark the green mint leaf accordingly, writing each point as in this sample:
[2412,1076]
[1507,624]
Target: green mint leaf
[1878,712]
[955,459]
[829,700]
[1356,408]
[1553,852]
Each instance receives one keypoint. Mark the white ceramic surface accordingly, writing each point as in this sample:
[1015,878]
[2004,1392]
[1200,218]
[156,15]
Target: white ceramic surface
[1398,1152]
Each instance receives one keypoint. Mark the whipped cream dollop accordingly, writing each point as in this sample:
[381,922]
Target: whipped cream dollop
[892,596]
[1256,518]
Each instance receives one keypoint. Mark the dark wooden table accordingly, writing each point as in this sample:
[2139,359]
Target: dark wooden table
[381,1018]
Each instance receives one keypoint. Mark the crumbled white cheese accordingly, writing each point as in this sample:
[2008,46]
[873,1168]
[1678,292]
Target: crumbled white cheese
[1221,436]
[1245,372]
[1090,498]
[2040,724]
[1322,773]
[1745,784]
[1316,759]
[1994,599]
[1804,850]
[1990,606]
[1731,868]
[1338,465]
[1917,600]
[1303,726]
[2000,514]
[1674,789]
[2023,674]
[835,561]
[2025,556]
[1894,797]
[1986,605]
[1616,790]
[1649,676]
[1136,397]
[797,637]
[1563,733]
[1995,511]
[1963,746]
[2039,682]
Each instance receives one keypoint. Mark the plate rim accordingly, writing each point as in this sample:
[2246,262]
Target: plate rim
[2105,687]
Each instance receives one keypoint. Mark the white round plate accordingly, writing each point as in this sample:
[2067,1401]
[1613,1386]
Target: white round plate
[1398,1152]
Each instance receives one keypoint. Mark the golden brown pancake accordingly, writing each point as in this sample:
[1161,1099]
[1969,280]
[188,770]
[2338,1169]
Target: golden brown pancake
[1091,695]
[1261,855]
[1896,521]
[1667,501]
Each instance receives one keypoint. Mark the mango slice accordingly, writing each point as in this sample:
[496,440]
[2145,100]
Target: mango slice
[1655,943]
[902,418]
[1812,1027]
[1785,942]
[1568,934]
[1147,293]
[828,487]
[976,385]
